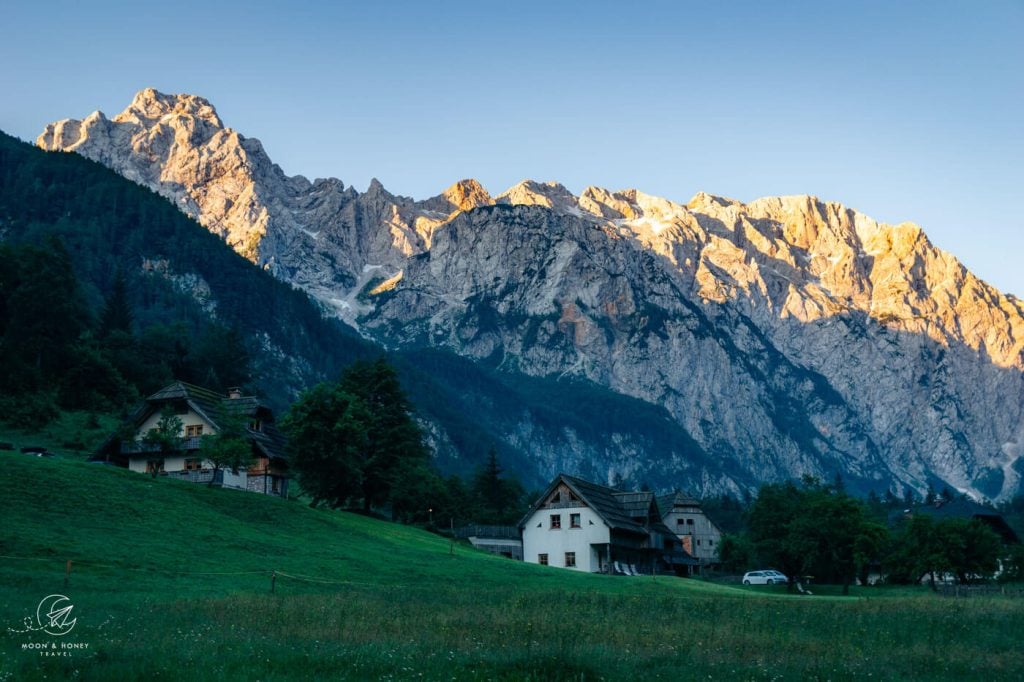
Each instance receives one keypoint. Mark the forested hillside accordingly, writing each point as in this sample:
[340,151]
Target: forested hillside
[78,238]
[108,291]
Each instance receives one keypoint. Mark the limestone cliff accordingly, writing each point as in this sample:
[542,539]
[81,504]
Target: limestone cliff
[786,336]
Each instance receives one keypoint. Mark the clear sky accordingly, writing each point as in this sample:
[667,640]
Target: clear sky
[902,110]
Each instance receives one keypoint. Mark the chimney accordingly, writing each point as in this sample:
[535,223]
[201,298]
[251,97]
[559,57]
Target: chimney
[234,392]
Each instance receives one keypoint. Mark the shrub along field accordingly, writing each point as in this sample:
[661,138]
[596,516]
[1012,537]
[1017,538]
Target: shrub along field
[173,581]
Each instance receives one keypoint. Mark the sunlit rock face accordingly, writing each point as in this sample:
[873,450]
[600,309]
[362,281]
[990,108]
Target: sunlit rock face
[788,336]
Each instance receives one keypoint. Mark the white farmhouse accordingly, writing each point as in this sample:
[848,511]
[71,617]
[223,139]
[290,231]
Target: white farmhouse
[588,527]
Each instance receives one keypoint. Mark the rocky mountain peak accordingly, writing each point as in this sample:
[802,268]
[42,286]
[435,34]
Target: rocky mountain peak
[787,335]
[467,194]
[702,200]
[464,195]
[532,193]
[150,105]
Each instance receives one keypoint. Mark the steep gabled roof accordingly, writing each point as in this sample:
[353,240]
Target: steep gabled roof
[603,501]
[676,498]
[598,497]
[271,441]
[204,401]
[635,503]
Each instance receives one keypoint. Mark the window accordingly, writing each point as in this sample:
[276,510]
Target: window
[542,559]
[574,520]
[154,465]
[256,425]
[680,522]
[698,543]
[193,430]
[570,559]
[192,464]
[689,522]
[557,497]
[711,543]
[556,521]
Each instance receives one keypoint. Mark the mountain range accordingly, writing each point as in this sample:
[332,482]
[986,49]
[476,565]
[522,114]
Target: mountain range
[772,339]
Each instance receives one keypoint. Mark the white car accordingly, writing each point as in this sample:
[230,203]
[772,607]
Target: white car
[767,577]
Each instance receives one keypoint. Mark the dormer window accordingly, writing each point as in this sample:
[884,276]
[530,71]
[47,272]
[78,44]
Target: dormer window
[256,425]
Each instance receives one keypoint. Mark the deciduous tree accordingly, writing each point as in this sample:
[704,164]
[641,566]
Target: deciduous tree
[228,448]
[326,429]
[165,437]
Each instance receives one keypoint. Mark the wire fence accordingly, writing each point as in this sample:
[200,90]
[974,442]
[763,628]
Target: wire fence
[963,591]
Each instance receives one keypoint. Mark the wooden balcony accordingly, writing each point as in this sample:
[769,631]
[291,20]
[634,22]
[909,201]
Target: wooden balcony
[138,448]
[491,532]
[201,476]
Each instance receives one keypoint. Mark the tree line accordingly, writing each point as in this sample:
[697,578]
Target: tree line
[58,352]
[817,530]
[354,444]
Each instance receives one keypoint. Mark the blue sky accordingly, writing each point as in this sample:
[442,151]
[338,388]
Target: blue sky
[903,110]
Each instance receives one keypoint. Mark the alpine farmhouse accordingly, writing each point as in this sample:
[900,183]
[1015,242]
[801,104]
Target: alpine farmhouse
[588,527]
[200,411]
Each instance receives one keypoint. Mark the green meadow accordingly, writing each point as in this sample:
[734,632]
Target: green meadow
[173,581]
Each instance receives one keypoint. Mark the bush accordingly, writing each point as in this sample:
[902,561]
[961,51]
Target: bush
[30,411]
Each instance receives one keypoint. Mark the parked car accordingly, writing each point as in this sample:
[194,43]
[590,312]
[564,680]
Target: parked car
[36,451]
[768,576]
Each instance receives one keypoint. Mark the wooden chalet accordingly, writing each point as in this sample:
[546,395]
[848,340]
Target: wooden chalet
[201,411]
[696,531]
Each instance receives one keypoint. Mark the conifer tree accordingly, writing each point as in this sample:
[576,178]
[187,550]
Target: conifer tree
[117,313]
[394,444]
[497,499]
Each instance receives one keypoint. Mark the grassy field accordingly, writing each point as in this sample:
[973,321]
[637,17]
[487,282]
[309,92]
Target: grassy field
[173,581]
[72,434]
